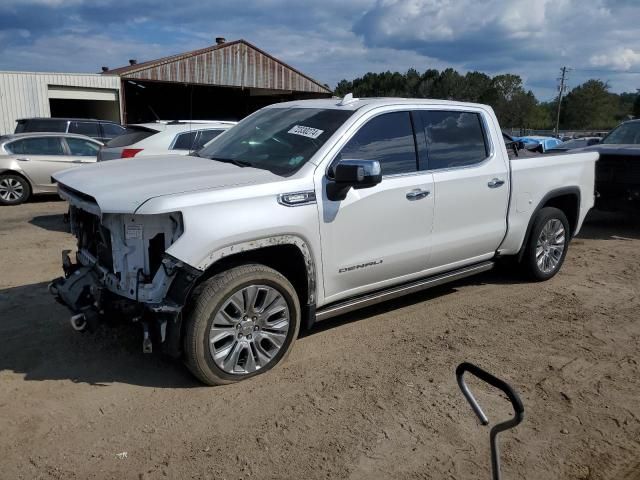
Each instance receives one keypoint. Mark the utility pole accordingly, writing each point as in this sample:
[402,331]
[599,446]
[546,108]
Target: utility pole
[561,89]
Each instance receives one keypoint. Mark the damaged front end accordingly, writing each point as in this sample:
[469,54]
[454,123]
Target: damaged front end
[122,272]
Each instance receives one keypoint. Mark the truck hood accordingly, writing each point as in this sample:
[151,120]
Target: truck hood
[121,186]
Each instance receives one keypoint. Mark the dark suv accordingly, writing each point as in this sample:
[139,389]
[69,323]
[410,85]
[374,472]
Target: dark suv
[101,130]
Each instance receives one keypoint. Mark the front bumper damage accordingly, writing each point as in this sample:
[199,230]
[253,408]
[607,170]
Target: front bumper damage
[83,291]
[117,276]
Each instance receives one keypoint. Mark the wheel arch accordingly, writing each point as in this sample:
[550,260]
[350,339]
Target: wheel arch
[19,173]
[290,255]
[567,199]
[285,253]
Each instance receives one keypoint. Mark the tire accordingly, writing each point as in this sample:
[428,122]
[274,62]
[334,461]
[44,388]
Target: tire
[547,244]
[236,309]
[14,189]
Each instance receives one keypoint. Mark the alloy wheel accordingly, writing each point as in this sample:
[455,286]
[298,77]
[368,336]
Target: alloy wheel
[550,245]
[11,190]
[249,329]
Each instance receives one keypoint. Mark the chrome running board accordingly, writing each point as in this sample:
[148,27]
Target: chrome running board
[400,290]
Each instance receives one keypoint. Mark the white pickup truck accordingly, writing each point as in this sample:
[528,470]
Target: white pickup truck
[303,211]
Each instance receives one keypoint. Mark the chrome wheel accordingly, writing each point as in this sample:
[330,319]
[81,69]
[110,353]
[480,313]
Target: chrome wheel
[550,246]
[249,329]
[11,190]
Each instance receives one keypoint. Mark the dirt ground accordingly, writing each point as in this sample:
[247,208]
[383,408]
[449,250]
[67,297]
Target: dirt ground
[367,395]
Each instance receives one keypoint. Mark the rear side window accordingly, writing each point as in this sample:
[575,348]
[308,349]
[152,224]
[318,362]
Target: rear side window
[205,137]
[81,147]
[90,129]
[454,139]
[184,141]
[41,125]
[130,136]
[111,130]
[387,138]
[37,146]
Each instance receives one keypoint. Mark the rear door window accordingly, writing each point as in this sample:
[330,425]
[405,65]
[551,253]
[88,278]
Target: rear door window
[111,130]
[184,141]
[387,138]
[454,139]
[90,129]
[37,146]
[205,137]
[81,147]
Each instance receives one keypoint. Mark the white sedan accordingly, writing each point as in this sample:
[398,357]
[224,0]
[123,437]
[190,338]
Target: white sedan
[160,138]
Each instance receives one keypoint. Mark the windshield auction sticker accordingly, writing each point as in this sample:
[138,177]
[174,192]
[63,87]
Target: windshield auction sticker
[309,132]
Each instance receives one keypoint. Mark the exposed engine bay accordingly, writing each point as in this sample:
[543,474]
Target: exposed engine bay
[121,269]
[127,250]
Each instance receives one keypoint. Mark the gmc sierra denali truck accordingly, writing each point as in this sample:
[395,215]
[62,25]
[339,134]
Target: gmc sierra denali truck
[303,211]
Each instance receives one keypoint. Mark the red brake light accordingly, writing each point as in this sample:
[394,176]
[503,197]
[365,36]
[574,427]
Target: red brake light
[130,152]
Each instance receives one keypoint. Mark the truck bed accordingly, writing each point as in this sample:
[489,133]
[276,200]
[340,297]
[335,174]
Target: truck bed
[534,178]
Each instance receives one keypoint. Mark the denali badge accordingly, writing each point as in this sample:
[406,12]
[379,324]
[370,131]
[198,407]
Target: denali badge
[362,265]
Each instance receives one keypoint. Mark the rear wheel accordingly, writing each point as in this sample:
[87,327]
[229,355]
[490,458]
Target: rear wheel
[243,323]
[547,245]
[14,189]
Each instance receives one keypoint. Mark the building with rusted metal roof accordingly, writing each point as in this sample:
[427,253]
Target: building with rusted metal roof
[225,81]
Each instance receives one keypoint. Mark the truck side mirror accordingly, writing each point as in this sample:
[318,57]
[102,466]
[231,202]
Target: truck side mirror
[353,174]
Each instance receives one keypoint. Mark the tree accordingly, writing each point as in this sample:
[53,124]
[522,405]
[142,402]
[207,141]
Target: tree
[589,105]
[448,86]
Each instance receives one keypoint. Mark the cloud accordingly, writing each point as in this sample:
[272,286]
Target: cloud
[618,59]
[334,39]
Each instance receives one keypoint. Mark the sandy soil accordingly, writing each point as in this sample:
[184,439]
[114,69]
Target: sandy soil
[367,395]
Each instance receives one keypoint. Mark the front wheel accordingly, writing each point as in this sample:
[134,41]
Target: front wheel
[547,246]
[243,323]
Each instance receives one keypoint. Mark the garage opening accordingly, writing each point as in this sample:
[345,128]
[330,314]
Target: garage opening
[148,101]
[74,102]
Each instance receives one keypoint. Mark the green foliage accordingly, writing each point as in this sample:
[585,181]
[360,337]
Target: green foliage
[587,106]
[636,106]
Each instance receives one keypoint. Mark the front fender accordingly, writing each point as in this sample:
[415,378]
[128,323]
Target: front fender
[270,241]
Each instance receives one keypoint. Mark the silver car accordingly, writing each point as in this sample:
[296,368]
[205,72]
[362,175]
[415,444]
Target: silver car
[28,160]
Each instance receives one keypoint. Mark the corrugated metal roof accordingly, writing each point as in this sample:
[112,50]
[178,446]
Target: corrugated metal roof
[234,64]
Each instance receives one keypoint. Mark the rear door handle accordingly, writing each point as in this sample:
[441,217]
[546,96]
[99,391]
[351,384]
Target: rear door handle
[22,159]
[417,194]
[495,183]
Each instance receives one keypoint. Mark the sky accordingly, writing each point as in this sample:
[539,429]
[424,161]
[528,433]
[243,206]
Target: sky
[335,39]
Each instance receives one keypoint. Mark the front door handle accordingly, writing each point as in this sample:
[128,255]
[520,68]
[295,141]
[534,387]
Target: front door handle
[495,183]
[22,159]
[417,194]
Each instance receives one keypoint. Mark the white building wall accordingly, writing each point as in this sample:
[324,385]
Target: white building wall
[25,94]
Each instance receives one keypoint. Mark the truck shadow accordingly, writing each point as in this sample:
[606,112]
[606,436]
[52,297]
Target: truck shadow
[52,223]
[610,226]
[39,343]
[498,276]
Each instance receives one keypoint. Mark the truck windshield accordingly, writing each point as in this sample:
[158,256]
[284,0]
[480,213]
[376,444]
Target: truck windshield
[277,139]
[625,134]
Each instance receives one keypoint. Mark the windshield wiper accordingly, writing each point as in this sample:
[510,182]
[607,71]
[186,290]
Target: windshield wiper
[237,163]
